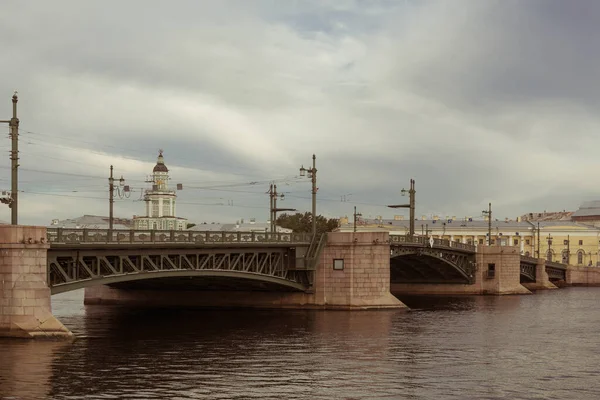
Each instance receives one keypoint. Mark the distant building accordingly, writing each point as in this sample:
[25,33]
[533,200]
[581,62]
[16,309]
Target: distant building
[546,216]
[160,202]
[91,222]
[239,227]
[588,213]
[562,241]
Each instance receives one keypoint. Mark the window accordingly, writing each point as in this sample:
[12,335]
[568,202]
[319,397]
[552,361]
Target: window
[516,242]
[469,241]
[581,242]
[580,256]
[527,241]
[527,254]
[493,241]
[480,241]
[491,271]
[338,263]
[565,256]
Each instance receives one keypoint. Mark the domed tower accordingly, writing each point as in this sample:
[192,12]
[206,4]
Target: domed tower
[160,201]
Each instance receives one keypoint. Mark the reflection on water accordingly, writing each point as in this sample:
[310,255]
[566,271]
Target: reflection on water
[542,346]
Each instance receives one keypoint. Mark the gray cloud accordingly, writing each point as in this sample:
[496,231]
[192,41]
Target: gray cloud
[478,101]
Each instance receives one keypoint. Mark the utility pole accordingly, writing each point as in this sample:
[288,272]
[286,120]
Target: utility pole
[356,215]
[411,206]
[111,197]
[312,174]
[549,238]
[568,249]
[111,200]
[538,250]
[273,195]
[489,215]
[13,123]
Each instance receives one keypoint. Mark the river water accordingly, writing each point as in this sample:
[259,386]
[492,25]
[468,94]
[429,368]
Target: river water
[543,346]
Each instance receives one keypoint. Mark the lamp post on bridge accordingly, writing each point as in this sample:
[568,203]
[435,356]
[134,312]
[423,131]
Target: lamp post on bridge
[356,215]
[549,255]
[489,215]
[312,174]
[273,195]
[12,201]
[411,206]
[111,195]
[568,244]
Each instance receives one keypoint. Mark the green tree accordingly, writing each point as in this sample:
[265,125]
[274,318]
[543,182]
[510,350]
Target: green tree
[301,222]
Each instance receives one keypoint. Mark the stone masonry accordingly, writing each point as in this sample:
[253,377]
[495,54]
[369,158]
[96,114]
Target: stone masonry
[362,283]
[24,293]
[505,279]
[583,276]
[542,282]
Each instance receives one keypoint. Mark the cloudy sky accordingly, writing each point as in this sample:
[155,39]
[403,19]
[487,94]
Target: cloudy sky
[476,100]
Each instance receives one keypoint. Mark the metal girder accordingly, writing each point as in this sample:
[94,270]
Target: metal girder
[556,270]
[556,273]
[528,271]
[461,261]
[71,270]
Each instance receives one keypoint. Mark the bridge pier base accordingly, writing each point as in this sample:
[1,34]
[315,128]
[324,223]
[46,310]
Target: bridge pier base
[583,276]
[542,282]
[353,273]
[25,309]
[498,273]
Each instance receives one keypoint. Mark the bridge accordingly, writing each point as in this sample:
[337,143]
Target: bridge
[339,270]
[419,259]
[556,271]
[80,258]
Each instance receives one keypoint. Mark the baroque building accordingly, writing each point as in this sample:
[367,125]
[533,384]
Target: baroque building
[562,241]
[160,202]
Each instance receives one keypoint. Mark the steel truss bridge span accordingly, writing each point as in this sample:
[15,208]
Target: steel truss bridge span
[555,271]
[428,260]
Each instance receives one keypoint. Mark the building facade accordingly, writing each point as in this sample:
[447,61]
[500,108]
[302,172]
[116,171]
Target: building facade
[562,241]
[160,202]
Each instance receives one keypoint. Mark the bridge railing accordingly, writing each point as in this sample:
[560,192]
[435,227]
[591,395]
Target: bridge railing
[124,236]
[423,240]
[556,265]
[528,259]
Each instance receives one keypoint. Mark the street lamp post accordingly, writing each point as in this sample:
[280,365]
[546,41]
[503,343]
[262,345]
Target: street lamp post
[568,244]
[273,195]
[356,215]
[549,239]
[14,158]
[111,196]
[312,173]
[489,215]
[411,206]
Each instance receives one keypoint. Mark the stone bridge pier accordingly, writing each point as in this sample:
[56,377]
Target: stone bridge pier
[25,309]
[497,273]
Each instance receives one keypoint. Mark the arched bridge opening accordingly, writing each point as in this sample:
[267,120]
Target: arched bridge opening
[431,265]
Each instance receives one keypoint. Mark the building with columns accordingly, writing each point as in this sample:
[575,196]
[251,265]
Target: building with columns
[561,241]
[160,202]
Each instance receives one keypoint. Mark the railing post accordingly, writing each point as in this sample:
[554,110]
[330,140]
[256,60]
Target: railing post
[131,236]
[85,236]
[59,235]
[223,237]
[172,236]
[190,236]
[152,235]
[239,237]
[252,237]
